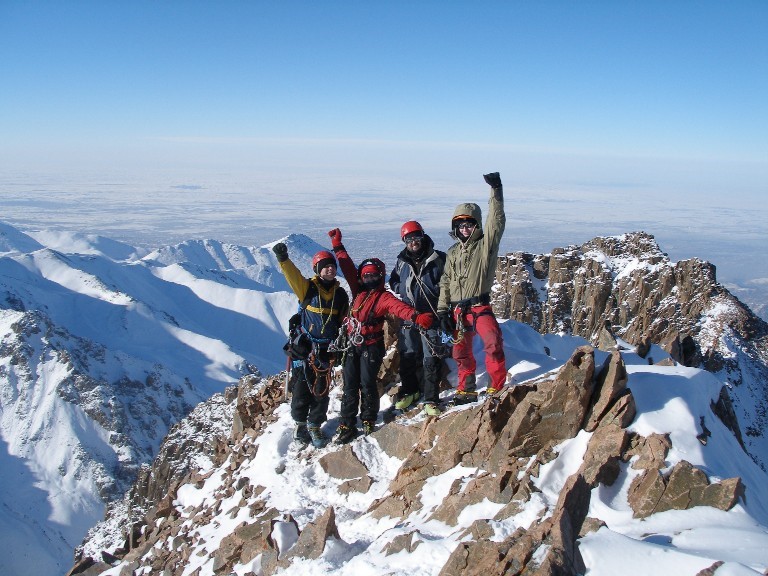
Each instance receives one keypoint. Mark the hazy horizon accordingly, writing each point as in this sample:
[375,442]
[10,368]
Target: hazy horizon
[152,213]
[156,123]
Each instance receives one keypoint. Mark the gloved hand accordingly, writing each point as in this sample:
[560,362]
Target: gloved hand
[493,179]
[447,323]
[281,251]
[335,235]
[425,320]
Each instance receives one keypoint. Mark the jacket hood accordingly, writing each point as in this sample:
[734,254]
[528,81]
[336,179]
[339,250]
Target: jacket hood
[468,210]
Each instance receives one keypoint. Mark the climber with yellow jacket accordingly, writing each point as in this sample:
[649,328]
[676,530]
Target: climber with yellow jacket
[323,305]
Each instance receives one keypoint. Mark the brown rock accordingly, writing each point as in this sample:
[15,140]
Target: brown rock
[651,451]
[645,492]
[397,440]
[686,487]
[475,559]
[711,570]
[361,485]
[590,525]
[343,464]
[311,542]
[88,567]
[603,455]
[611,384]
[622,412]
[408,542]
[723,495]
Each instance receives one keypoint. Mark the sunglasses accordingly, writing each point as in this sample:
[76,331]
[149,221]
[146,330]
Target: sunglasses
[372,276]
[411,238]
[465,224]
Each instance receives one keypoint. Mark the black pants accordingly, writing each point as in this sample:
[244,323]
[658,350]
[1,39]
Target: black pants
[306,404]
[420,370]
[360,370]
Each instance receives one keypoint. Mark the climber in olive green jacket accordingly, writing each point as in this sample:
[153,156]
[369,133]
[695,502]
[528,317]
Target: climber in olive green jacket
[470,269]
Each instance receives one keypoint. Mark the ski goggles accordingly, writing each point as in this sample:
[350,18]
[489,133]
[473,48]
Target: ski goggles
[464,224]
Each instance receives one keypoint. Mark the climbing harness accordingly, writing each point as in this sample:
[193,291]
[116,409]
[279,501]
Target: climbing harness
[323,372]
[458,314]
[437,348]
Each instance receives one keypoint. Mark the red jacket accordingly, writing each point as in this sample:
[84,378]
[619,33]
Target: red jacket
[370,307]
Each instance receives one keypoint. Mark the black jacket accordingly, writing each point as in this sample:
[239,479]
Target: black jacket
[418,283]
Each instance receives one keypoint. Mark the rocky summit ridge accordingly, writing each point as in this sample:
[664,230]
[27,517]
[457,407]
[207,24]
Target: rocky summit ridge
[213,501]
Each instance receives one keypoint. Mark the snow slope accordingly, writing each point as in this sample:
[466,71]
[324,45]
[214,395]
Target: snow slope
[102,348]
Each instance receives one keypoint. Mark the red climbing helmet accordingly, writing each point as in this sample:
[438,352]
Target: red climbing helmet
[409,228]
[371,266]
[321,260]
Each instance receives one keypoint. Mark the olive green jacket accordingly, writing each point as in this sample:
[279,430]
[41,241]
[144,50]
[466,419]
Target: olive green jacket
[470,266]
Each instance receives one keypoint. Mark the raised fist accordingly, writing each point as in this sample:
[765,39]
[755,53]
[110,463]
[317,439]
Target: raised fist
[281,251]
[493,179]
[335,235]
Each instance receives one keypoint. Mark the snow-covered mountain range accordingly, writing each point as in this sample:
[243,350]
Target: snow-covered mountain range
[104,347]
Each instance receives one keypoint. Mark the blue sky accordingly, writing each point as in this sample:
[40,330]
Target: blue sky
[104,80]
[603,117]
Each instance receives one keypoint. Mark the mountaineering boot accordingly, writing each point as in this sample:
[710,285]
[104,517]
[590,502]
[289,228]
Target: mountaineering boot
[406,401]
[490,391]
[301,434]
[368,426]
[432,409]
[345,434]
[462,397]
[319,440]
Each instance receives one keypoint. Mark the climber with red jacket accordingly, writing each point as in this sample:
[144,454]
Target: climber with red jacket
[323,305]
[365,329]
[470,269]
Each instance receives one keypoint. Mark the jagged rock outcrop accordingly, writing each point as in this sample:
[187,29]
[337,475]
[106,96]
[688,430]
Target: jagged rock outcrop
[626,289]
[629,285]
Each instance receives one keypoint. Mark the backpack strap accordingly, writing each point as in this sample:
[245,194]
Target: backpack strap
[312,291]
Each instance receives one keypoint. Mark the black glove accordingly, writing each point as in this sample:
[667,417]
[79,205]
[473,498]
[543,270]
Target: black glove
[493,179]
[447,323]
[281,251]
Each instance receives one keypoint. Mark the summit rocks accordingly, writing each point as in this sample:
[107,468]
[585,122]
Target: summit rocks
[503,449]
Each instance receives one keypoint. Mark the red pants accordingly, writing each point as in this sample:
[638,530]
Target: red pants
[485,325]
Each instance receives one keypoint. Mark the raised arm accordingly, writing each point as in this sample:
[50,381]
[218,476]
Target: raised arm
[296,281]
[346,264]
[496,220]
